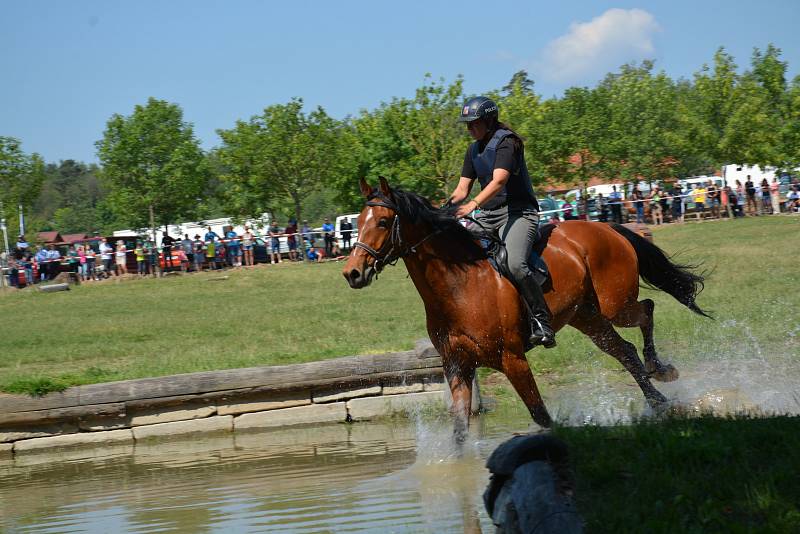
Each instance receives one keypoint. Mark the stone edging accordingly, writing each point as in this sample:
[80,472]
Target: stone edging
[345,389]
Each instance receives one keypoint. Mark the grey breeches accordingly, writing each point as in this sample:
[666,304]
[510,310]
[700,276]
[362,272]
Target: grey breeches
[518,228]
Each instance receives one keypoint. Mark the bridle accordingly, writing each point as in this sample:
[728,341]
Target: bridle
[393,248]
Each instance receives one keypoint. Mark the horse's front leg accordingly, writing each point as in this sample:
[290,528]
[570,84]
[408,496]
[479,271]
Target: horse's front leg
[460,381]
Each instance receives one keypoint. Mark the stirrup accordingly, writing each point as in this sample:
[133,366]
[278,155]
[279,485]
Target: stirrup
[538,335]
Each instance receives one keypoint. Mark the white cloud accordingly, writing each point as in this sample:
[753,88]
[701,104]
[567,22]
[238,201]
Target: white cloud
[596,47]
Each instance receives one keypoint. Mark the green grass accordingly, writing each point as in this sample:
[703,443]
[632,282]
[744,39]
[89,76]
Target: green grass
[295,313]
[688,475]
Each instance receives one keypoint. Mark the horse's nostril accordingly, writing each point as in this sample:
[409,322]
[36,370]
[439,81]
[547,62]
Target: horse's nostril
[354,275]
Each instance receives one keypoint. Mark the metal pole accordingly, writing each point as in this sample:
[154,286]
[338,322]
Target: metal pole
[6,253]
[21,221]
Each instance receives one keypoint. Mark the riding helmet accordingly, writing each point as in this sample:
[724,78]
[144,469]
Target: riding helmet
[478,107]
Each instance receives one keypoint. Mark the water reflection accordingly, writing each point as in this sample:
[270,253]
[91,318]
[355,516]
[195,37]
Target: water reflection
[396,476]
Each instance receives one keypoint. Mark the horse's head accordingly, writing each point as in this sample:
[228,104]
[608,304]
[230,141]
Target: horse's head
[378,236]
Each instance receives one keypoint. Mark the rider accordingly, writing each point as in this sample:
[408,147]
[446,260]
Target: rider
[506,202]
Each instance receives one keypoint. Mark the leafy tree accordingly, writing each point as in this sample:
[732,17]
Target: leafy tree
[417,142]
[570,143]
[282,155]
[152,165]
[714,104]
[790,133]
[73,186]
[21,177]
[520,83]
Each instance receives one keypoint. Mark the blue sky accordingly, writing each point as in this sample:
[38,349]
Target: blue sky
[66,67]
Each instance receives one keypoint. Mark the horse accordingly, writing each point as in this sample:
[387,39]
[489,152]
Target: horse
[476,318]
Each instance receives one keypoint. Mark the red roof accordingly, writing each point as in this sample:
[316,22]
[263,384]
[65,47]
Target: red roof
[49,237]
[72,238]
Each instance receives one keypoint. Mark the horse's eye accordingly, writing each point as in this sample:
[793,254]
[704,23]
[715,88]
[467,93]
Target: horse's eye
[383,223]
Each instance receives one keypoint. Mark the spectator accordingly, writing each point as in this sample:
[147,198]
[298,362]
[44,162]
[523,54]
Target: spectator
[750,190]
[313,255]
[566,210]
[766,202]
[775,193]
[73,262]
[13,268]
[233,247]
[346,228]
[82,269]
[211,249]
[291,239]
[200,253]
[151,252]
[655,206]
[725,198]
[183,259]
[248,240]
[677,203]
[188,248]
[166,249]
[740,198]
[328,229]
[53,262]
[105,256]
[699,197]
[141,259]
[211,235]
[122,258]
[275,242]
[26,263]
[22,244]
[91,262]
[712,196]
[41,262]
[638,203]
[602,204]
[793,199]
[220,255]
[308,236]
[615,200]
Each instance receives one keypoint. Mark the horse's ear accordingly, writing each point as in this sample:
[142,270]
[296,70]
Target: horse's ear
[365,188]
[385,189]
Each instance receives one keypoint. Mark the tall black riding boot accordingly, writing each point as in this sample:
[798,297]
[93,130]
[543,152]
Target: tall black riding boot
[539,314]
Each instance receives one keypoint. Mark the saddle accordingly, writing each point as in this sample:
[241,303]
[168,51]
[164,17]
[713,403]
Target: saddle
[498,256]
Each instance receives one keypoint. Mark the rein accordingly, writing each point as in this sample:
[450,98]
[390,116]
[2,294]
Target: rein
[395,243]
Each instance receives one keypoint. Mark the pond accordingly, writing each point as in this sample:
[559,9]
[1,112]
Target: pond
[398,475]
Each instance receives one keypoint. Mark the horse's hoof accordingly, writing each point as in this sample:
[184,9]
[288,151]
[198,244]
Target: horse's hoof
[657,401]
[662,372]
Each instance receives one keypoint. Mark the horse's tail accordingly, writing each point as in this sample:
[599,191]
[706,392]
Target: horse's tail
[658,271]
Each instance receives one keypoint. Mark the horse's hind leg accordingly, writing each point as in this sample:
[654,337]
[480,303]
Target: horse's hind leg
[460,382]
[602,333]
[641,314]
[518,371]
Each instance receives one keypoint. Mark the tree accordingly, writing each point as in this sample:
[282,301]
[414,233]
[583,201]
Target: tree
[153,165]
[417,142]
[790,133]
[21,176]
[520,83]
[570,141]
[281,155]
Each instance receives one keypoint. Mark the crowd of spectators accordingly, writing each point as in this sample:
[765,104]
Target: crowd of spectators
[704,200]
[96,259]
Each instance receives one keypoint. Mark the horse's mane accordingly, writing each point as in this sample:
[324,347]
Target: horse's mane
[418,209]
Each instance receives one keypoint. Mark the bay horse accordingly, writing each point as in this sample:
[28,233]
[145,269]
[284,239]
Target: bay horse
[475,317]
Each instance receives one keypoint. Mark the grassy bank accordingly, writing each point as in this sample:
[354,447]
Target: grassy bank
[688,475]
[295,313]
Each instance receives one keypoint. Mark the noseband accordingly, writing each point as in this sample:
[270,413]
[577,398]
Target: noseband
[393,248]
